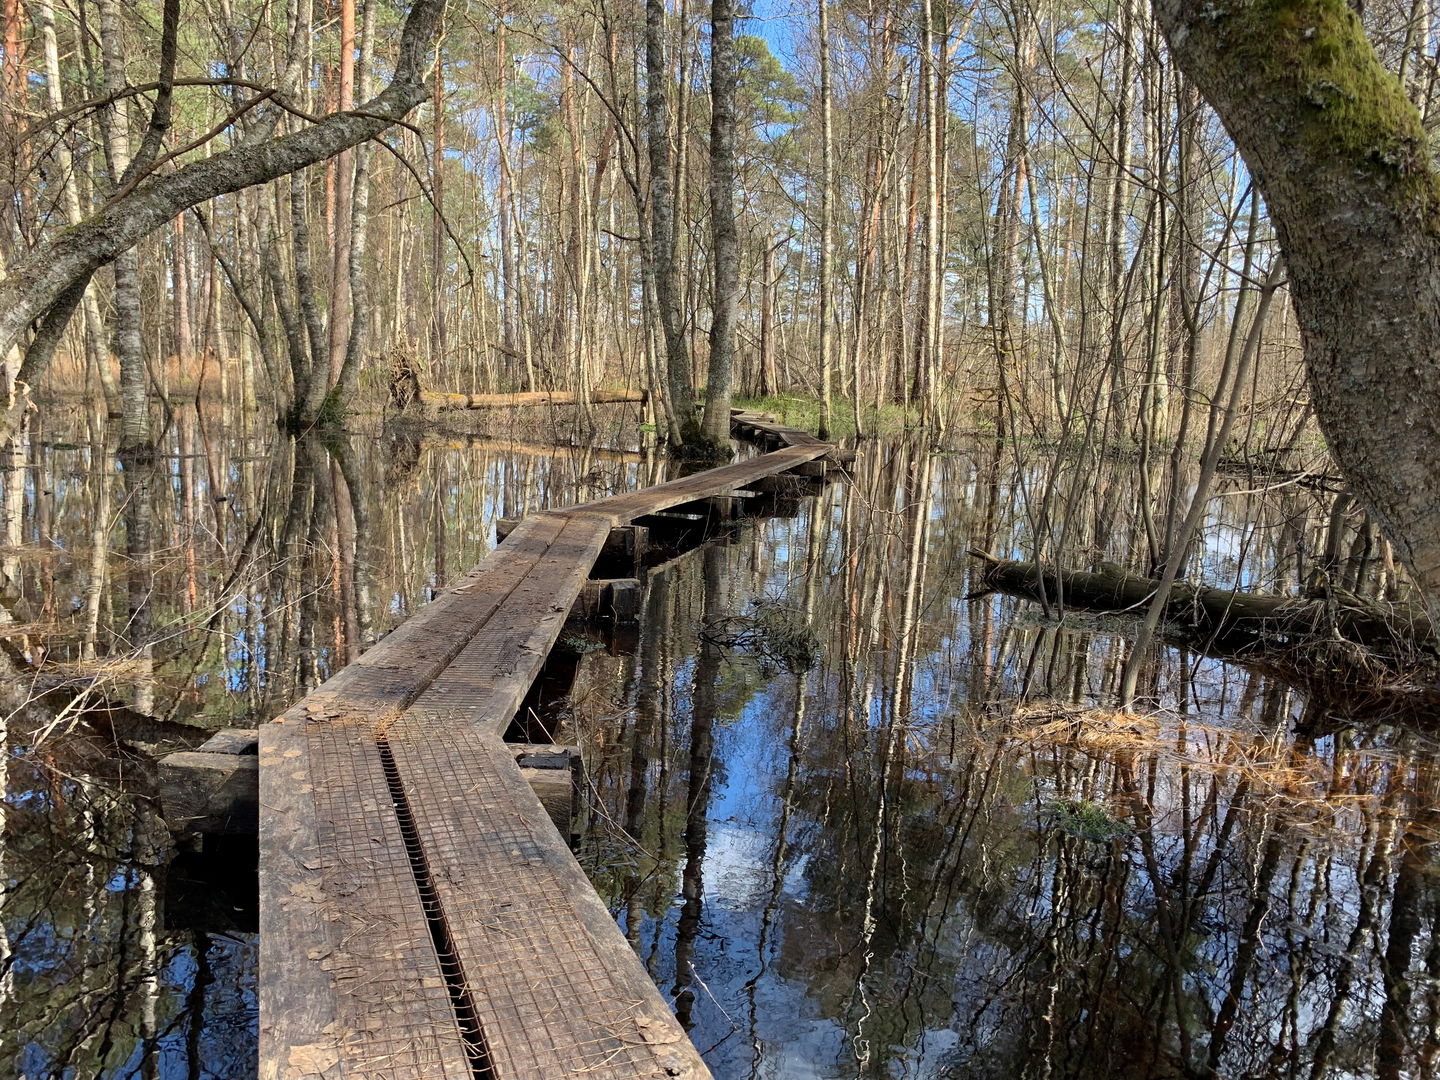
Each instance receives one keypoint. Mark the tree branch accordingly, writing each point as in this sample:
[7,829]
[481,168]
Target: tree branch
[36,282]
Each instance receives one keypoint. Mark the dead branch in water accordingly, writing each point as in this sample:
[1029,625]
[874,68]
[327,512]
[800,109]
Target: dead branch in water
[1327,635]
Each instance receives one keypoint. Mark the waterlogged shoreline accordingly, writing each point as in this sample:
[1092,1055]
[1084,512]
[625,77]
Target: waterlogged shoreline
[923,844]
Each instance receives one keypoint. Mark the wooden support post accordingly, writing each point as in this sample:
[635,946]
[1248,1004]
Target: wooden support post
[587,604]
[554,773]
[504,527]
[786,484]
[814,468]
[710,508]
[673,520]
[232,740]
[627,544]
[625,599]
[608,598]
[724,507]
[215,788]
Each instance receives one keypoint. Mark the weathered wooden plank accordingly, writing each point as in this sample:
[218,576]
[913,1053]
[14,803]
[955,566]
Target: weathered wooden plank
[607,598]
[556,985]
[721,481]
[299,1034]
[231,740]
[488,678]
[764,429]
[202,792]
[350,985]
[398,668]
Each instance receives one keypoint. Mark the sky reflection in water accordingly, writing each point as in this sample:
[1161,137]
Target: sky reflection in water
[875,866]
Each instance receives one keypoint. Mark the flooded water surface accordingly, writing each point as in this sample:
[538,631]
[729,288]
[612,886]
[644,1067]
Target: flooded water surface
[854,821]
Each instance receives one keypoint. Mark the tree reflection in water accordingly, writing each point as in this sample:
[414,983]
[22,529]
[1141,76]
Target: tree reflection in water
[935,855]
[145,601]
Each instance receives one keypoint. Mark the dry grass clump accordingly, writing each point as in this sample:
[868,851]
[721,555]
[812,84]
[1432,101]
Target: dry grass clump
[87,674]
[1310,787]
[47,630]
[1098,731]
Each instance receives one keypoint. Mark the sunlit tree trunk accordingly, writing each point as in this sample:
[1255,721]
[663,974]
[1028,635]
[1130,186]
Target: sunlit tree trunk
[184,341]
[725,252]
[922,389]
[1014,183]
[318,370]
[126,341]
[338,322]
[678,387]
[439,327]
[827,239]
[346,386]
[14,86]
[96,351]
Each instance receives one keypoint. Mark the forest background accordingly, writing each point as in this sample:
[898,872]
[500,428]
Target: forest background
[1007,217]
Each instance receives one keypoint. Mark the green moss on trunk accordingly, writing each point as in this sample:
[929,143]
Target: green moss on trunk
[1351,109]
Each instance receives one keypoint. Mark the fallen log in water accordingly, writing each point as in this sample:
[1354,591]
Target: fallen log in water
[1329,626]
[436,399]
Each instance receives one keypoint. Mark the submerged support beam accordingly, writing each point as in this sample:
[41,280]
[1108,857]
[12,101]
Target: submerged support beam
[555,775]
[626,545]
[609,598]
[815,469]
[207,792]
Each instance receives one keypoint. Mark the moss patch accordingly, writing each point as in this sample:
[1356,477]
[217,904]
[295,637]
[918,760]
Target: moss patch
[803,411]
[1350,107]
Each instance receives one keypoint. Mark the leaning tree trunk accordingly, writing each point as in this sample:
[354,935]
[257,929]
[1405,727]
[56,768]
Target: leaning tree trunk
[47,274]
[1342,159]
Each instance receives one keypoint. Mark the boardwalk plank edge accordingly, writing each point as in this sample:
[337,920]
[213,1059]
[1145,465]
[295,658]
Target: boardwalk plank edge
[408,873]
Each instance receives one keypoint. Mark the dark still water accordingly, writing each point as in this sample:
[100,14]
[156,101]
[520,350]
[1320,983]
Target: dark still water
[853,823]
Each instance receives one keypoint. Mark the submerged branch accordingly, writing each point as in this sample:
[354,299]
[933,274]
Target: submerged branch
[1328,635]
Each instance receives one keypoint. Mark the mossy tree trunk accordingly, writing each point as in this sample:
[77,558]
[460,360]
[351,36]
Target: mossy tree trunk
[1341,157]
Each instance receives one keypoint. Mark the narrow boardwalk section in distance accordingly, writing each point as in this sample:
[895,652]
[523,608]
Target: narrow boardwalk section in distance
[421,918]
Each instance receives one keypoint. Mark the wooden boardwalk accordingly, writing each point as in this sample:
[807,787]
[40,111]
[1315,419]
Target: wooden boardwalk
[420,915]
